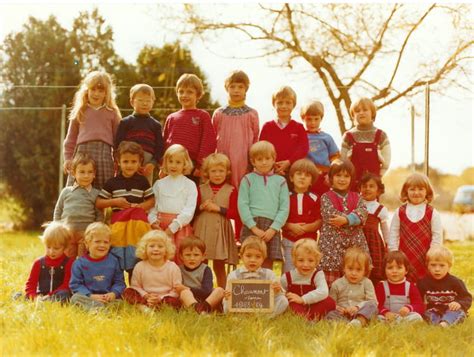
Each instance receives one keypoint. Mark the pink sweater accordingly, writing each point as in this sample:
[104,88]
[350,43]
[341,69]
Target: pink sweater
[99,125]
[148,279]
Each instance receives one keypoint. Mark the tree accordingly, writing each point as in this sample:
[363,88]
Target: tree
[365,48]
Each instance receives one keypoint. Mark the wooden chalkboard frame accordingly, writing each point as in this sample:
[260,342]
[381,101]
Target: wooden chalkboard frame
[247,282]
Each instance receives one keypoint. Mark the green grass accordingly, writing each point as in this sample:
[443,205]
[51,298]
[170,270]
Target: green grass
[51,329]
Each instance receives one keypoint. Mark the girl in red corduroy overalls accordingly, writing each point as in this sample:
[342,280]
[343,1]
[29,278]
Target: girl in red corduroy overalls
[366,146]
[416,226]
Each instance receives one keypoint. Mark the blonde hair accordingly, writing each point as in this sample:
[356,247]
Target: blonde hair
[364,103]
[56,233]
[193,81]
[177,149]
[262,147]
[96,229]
[237,77]
[284,92]
[312,108]
[216,159]
[254,242]
[142,88]
[355,255]
[308,246]
[155,236]
[438,252]
[80,101]
[306,166]
[417,180]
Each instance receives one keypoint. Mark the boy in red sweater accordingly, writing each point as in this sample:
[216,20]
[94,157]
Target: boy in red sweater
[288,136]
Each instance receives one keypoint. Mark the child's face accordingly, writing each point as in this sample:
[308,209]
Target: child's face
[354,273]
[156,251]
[98,246]
[341,181]
[54,250]
[252,259]
[129,164]
[416,194]
[237,91]
[369,190]
[395,272]
[438,268]
[312,122]
[192,257]
[142,103]
[363,115]
[301,181]
[284,106]
[217,174]
[175,165]
[96,96]
[305,263]
[263,163]
[84,174]
[187,97]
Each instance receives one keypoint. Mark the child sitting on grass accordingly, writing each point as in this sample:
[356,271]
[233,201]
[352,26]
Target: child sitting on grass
[97,279]
[307,290]
[197,288]
[446,296]
[354,293]
[50,274]
[155,278]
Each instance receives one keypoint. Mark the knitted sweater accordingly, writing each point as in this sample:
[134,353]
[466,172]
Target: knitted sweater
[347,294]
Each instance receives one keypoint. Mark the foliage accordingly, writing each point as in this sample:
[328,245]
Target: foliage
[351,49]
[53,330]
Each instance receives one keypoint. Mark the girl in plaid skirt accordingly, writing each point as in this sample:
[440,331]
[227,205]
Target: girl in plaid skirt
[93,123]
[416,226]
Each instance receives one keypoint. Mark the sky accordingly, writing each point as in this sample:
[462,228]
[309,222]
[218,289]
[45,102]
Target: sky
[451,125]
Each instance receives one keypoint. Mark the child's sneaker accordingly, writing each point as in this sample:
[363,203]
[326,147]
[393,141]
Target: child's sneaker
[202,308]
[145,309]
[355,323]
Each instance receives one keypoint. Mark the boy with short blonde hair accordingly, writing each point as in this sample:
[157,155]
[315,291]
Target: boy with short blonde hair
[190,126]
[446,296]
[288,136]
[142,128]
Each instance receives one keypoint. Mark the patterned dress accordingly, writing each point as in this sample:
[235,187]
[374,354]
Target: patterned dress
[376,244]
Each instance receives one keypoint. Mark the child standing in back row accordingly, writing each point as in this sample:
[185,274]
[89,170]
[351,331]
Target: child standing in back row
[287,136]
[93,123]
[366,146]
[416,225]
[191,127]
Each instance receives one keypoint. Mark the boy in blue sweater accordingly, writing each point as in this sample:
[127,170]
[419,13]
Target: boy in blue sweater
[96,279]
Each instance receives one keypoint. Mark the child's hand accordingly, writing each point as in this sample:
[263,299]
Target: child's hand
[98,297]
[276,286]
[282,166]
[341,310]
[168,232]
[152,299]
[352,310]
[121,202]
[109,297]
[209,206]
[338,221]
[404,311]
[67,166]
[227,294]
[147,169]
[257,231]
[390,316]
[296,228]
[180,287]
[292,297]
[454,306]
[156,225]
[268,234]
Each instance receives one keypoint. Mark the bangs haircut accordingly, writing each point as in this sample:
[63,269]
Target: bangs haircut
[377,179]
[129,147]
[438,252]
[155,236]
[142,88]
[177,149]
[56,233]
[284,92]
[306,245]
[254,242]
[355,255]
[82,158]
[216,159]
[306,166]
[190,80]
[192,242]
[237,76]
[97,229]
[341,165]
[365,103]
[400,258]
[313,108]
[262,148]
[417,180]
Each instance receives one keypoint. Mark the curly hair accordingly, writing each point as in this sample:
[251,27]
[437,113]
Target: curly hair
[155,236]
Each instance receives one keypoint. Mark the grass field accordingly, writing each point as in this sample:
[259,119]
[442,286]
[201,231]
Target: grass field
[50,329]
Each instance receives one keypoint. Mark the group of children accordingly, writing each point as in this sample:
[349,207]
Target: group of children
[298,184]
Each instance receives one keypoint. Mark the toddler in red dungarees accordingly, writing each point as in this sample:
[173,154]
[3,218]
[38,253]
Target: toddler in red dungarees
[366,146]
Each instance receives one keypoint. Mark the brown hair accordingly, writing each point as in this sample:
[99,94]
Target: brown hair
[192,242]
[82,158]
[364,103]
[237,77]
[312,108]
[254,242]
[340,165]
[284,92]
[191,80]
[262,147]
[306,166]
[129,147]
[142,88]
[418,180]
[400,258]
[355,255]
[366,177]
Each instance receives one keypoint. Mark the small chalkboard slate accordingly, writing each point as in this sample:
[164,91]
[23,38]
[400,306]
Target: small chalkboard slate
[251,296]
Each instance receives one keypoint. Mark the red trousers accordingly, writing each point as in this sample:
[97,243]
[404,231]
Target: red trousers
[314,311]
[133,297]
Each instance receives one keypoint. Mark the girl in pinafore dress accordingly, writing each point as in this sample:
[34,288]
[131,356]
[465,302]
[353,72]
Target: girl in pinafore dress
[371,187]
[217,203]
[343,215]
[416,226]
